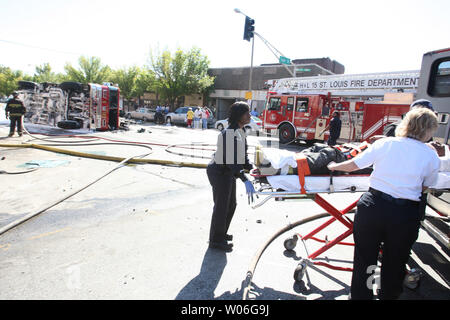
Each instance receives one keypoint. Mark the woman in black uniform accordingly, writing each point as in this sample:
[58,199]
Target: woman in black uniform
[229,162]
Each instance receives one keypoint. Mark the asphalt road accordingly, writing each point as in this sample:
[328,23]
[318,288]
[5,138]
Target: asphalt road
[142,231]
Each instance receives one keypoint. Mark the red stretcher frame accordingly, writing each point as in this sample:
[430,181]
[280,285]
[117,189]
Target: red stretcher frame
[336,215]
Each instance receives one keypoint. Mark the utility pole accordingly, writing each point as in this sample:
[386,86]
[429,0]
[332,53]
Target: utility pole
[251,66]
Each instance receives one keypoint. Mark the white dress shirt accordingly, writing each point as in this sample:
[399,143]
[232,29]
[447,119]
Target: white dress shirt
[401,166]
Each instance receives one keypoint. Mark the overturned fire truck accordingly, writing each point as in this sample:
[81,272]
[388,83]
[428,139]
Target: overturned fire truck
[71,105]
[300,108]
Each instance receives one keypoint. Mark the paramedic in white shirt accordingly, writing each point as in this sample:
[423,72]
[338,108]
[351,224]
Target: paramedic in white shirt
[402,167]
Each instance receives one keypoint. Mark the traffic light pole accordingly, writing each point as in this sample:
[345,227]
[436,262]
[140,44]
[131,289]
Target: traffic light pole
[249,30]
[251,66]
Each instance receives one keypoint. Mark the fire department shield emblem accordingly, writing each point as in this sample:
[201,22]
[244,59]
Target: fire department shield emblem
[273,117]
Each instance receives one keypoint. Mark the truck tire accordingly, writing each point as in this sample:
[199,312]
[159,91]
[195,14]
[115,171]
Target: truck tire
[286,133]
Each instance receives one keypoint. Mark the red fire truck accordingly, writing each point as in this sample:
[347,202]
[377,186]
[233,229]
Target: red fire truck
[71,105]
[301,108]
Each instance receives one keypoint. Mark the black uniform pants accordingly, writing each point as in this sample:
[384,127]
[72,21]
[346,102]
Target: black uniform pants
[15,121]
[332,140]
[224,193]
[379,220]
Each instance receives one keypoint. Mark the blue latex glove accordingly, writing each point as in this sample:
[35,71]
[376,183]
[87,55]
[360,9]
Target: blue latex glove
[250,190]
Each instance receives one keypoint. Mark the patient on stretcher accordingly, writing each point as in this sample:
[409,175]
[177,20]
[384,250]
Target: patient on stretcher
[313,160]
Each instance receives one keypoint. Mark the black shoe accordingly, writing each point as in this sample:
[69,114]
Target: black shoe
[228,237]
[221,246]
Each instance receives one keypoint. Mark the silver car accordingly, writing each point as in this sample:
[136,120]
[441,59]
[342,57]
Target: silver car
[254,125]
[179,116]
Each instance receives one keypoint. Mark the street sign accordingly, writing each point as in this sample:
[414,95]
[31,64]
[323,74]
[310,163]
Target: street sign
[248,95]
[284,60]
[303,70]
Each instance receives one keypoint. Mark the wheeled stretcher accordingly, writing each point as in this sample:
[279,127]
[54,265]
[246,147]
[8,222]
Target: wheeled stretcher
[305,186]
[288,187]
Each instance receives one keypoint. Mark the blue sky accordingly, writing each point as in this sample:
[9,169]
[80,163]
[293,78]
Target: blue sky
[365,36]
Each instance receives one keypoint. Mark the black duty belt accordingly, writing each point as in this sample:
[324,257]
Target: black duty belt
[387,197]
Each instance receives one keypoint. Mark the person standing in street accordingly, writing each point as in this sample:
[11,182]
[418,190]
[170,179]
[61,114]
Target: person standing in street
[229,163]
[335,129]
[390,212]
[197,117]
[205,115]
[189,117]
[15,111]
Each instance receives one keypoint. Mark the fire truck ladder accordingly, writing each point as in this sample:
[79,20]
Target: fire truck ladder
[359,85]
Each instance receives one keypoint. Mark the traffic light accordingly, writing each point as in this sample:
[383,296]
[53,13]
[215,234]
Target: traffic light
[249,28]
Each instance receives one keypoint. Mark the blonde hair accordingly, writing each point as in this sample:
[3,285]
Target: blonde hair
[418,123]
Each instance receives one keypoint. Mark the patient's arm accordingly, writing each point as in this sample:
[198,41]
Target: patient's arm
[346,166]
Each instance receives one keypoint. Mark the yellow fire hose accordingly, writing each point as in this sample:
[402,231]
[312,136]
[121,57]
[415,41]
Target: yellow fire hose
[104,157]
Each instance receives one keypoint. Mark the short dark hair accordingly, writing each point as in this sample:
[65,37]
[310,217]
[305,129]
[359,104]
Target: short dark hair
[237,110]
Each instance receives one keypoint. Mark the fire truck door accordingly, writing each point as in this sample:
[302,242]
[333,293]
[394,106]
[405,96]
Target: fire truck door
[288,110]
[320,125]
[274,110]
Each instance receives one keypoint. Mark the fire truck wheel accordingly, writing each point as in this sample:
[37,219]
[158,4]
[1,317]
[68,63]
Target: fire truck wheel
[286,133]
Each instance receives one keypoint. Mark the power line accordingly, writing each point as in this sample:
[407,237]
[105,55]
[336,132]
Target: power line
[40,48]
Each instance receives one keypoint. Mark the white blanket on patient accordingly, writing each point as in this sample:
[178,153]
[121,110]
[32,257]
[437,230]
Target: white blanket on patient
[340,183]
[283,159]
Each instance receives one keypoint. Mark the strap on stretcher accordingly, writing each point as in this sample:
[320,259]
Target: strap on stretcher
[302,170]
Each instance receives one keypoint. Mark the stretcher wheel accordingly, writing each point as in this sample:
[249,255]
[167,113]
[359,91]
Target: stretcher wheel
[412,279]
[290,243]
[300,271]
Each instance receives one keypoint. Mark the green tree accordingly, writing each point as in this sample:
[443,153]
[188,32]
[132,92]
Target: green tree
[126,79]
[91,70]
[8,80]
[145,82]
[181,73]
[43,73]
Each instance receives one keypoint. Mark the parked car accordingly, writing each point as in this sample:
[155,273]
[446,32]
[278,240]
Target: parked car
[144,114]
[254,125]
[179,116]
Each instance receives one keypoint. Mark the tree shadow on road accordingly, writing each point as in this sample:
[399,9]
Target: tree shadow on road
[202,287]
